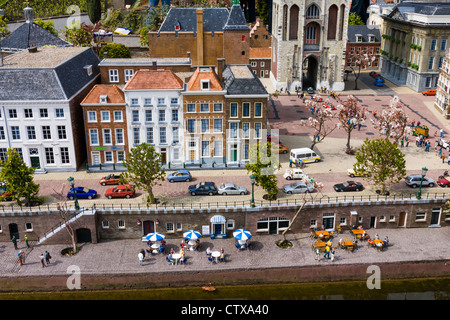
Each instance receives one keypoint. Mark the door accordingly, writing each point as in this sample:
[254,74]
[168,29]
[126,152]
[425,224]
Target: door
[262,74]
[328,222]
[435,217]
[13,231]
[96,158]
[234,152]
[217,229]
[35,162]
[402,219]
[372,222]
[273,227]
[148,226]
[163,155]
[83,235]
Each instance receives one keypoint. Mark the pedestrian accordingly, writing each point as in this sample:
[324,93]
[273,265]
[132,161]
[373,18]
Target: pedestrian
[290,163]
[332,253]
[359,126]
[19,255]
[317,252]
[23,256]
[418,123]
[443,157]
[427,146]
[14,240]
[327,252]
[47,257]
[26,241]
[448,160]
[42,260]
[141,258]
[401,143]
[442,133]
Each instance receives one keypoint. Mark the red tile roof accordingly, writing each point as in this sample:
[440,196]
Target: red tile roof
[200,73]
[154,79]
[113,93]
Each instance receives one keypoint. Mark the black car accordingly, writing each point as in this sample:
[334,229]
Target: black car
[348,186]
[208,188]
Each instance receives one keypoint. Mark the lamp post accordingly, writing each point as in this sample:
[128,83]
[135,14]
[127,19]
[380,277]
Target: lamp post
[419,194]
[252,202]
[72,185]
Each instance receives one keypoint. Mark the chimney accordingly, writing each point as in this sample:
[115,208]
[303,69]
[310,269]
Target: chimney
[28,13]
[220,68]
[105,55]
[154,65]
[199,12]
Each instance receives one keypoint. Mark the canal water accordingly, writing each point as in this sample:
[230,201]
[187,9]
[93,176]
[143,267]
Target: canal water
[408,289]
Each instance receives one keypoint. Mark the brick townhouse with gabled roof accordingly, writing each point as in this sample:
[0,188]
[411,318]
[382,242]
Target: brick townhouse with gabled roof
[154,112]
[105,121]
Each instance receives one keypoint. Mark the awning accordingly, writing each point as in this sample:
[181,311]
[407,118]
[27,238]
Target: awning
[218,219]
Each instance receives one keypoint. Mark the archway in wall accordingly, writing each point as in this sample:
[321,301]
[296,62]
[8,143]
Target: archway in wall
[310,71]
[83,235]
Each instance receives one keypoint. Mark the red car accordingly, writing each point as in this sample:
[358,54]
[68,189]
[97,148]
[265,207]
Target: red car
[121,191]
[443,181]
[374,74]
[331,106]
[273,138]
[111,179]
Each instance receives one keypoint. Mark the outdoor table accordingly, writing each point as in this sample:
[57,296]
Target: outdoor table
[357,231]
[191,244]
[156,247]
[242,243]
[176,257]
[348,243]
[321,245]
[215,255]
[378,243]
[322,234]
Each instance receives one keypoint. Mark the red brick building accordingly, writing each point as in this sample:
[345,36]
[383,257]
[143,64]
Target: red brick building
[363,39]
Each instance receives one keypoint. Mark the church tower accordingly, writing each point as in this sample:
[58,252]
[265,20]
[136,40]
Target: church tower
[309,43]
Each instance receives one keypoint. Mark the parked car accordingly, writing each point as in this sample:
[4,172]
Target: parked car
[374,74]
[378,83]
[180,175]
[298,187]
[5,195]
[82,193]
[348,186]
[444,144]
[230,188]
[111,179]
[443,181]
[273,138]
[208,188]
[295,174]
[358,173]
[121,191]
[380,79]
[429,92]
[281,148]
[310,90]
[329,106]
[414,181]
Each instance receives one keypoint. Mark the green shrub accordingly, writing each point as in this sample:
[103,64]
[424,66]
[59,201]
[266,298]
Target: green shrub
[115,50]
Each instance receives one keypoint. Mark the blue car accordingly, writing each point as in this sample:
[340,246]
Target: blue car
[180,175]
[380,79]
[379,83]
[82,193]
[208,188]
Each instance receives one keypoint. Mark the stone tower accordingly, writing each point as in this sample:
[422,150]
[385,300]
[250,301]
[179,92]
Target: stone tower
[309,43]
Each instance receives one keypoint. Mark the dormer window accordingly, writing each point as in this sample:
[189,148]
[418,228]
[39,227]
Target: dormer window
[205,85]
[103,99]
[358,38]
[371,38]
[177,26]
[88,69]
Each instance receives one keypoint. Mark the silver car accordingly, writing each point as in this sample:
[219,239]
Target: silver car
[298,187]
[415,179]
[230,188]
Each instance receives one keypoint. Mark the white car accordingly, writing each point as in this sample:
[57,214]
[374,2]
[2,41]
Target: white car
[230,188]
[298,187]
[295,174]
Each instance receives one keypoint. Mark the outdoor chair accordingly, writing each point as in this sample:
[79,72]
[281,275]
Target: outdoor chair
[210,259]
[339,229]
[161,249]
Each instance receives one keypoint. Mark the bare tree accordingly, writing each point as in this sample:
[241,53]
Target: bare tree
[360,60]
[66,216]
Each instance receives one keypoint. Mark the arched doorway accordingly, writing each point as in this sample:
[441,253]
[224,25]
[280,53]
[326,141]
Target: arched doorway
[13,230]
[310,71]
[83,235]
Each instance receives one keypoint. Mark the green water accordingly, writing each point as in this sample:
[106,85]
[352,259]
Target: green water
[410,289]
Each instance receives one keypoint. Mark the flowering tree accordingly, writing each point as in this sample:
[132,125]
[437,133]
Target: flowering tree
[321,120]
[360,61]
[350,114]
[392,122]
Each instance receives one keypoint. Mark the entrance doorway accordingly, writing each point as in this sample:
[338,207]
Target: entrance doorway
[95,158]
[35,162]
[402,220]
[13,230]
[148,226]
[372,222]
[273,227]
[83,235]
[310,71]
[163,155]
[328,221]
[234,152]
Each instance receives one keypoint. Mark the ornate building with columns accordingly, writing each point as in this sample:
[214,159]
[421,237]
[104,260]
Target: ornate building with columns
[309,43]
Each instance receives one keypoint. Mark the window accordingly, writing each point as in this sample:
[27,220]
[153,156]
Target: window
[150,135]
[121,224]
[433,45]
[217,107]
[312,12]
[135,102]
[12,113]
[169,227]
[311,33]
[65,155]
[234,130]
[31,133]
[174,115]
[173,101]
[420,216]
[205,148]
[343,221]
[176,154]
[103,99]
[191,125]
[382,219]
[93,133]
[191,107]
[246,130]
[136,138]
[59,113]
[2,133]
[119,136]
[113,75]
[233,110]
[253,64]
[162,115]
[162,135]
[107,136]
[258,109]
[205,84]
[262,63]
[218,148]
[428,82]
[161,102]
[15,132]
[43,113]
[62,132]
[120,156]
[217,125]
[391,218]
[205,125]
[175,135]
[246,109]
[28,113]
[443,44]
[258,130]
[105,116]
[440,62]
[105,224]
[430,63]
[358,38]
[148,116]
[28,226]
[108,156]
[204,107]
[147,102]
[128,74]
[3,154]
[118,116]
[92,116]
[135,115]
[246,154]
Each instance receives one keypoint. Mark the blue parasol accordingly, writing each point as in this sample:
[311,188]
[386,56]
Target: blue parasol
[242,234]
[192,235]
[155,236]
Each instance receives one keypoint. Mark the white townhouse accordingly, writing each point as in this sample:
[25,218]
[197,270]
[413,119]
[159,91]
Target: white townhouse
[154,113]
[40,114]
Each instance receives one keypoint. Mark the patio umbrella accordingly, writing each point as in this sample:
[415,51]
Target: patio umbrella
[155,236]
[242,234]
[192,235]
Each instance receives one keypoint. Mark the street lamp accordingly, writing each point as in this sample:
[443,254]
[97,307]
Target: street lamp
[72,185]
[419,194]
[252,202]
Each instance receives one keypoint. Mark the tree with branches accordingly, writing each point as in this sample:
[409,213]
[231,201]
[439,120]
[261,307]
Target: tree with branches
[350,114]
[66,216]
[321,119]
[360,61]
[393,122]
